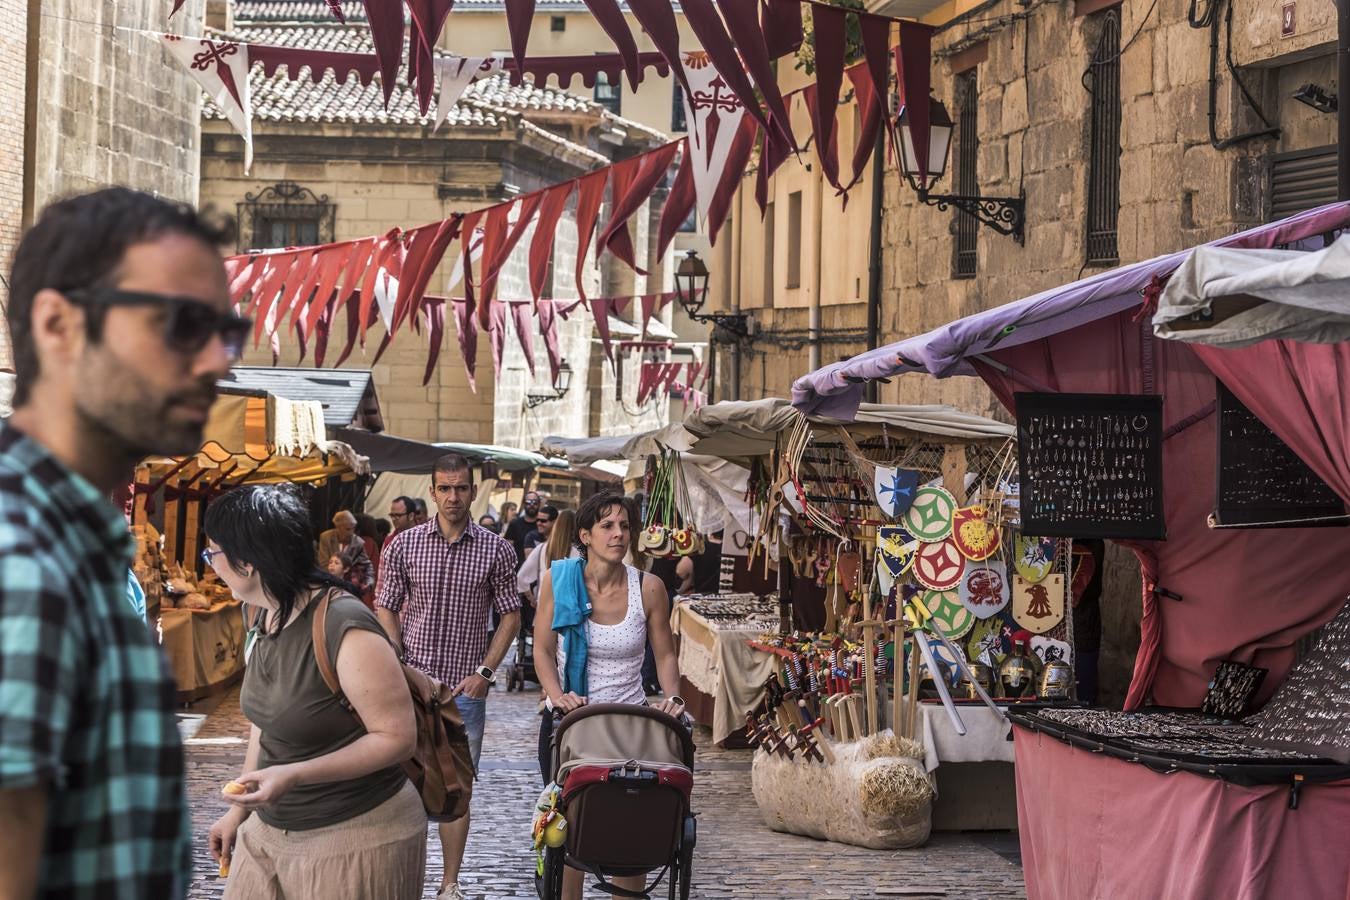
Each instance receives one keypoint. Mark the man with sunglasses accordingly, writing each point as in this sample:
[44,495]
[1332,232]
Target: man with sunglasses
[121,323]
[523,524]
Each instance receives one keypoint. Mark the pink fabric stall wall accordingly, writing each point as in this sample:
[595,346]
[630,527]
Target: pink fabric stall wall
[1096,827]
[1249,595]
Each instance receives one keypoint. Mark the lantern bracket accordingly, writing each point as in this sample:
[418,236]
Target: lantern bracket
[1006,215]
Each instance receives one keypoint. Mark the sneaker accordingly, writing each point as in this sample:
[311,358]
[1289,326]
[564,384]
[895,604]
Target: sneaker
[452,892]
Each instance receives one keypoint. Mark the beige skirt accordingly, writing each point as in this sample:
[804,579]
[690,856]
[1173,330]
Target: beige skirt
[382,853]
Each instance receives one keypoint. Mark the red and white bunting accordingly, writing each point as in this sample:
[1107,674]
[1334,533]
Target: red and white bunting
[221,68]
[454,74]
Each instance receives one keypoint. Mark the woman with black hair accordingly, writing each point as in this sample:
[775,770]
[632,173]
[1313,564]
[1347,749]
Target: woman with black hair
[335,815]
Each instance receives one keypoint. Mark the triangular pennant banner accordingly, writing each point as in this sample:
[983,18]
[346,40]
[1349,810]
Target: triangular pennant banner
[221,68]
[467,327]
[455,74]
[714,114]
[524,325]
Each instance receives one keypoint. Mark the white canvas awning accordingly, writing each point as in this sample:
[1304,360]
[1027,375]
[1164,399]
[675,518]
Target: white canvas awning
[1231,298]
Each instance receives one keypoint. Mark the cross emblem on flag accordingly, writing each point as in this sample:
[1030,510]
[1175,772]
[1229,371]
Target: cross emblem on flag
[220,68]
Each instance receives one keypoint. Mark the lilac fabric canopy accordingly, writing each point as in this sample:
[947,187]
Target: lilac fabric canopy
[836,390]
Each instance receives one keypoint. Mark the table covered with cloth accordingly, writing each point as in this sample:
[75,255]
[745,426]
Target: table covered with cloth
[716,660]
[205,648]
[985,740]
[1095,826]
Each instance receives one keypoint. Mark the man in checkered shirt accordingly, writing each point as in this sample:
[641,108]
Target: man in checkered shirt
[120,315]
[439,582]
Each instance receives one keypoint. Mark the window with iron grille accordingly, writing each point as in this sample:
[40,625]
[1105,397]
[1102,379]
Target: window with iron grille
[608,95]
[965,227]
[285,215]
[1102,80]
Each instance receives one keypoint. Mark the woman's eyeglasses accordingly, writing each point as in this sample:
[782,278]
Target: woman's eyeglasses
[209,556]
[190,324]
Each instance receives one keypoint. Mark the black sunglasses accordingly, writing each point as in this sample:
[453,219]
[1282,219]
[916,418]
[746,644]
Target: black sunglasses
[190,324]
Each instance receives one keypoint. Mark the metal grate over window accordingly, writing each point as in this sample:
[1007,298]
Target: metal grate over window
[1102,81]
[966,227]
[285,215]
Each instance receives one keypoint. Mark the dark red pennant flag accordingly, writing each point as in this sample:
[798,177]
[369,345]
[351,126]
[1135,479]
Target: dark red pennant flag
[620,305]
[611,19]
[827,152]
[467,240]
[600,310]
[548,327]
[707,25]
[519,17]
[527,206]
[280,265]
[731,176]
[648,310]
[494,240]
[912,71]
[772,155]
[524,324]
[496,333]
[434,307]
[386,32]
[177,5]
[831,34]
[742,22]
[419,242]
[275,308]
[679,203]
[322,327]
[428,18]
[466,324]
[334,263]
[782,23]
[419,279]
[621,177]
[384,345]
[590,193]
[650,171]
[353,324]
[541,245]
[657,18]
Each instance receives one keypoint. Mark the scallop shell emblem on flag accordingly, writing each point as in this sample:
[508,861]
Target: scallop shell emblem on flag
[930,518]
[984,588]
[1034,557]
[897,548]
[948,613]
[975,536]
[939,566]
[1038,607]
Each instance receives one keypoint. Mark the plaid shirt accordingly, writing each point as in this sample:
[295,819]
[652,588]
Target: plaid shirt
[86,698]
[444,592]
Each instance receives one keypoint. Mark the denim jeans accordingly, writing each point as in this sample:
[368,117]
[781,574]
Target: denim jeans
[474,712]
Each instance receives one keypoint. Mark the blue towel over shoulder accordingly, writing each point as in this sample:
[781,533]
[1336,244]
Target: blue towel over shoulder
[571,611]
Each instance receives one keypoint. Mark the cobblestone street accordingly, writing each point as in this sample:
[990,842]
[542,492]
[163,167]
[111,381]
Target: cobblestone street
[737,856]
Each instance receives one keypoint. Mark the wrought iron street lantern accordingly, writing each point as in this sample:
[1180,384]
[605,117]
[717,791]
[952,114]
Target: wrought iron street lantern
[691,289]
[1006,215]
[560,387]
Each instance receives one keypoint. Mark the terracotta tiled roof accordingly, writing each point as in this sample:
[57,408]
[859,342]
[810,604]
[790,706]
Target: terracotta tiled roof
[487,103]
[295,11]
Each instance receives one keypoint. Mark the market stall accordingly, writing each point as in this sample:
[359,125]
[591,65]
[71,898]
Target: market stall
[1209,462]
[251,437]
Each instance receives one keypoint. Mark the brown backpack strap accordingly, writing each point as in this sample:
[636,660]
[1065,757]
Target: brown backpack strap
[319,637]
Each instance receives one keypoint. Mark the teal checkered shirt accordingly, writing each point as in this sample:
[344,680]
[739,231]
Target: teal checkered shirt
[86,698]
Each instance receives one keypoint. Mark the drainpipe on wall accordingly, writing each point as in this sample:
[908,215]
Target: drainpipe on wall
[735,292]
[874,257]
[30,105]
[1342,113]
[813,323]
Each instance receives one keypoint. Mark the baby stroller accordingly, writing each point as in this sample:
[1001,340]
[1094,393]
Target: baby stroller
[626,771]
[522,667]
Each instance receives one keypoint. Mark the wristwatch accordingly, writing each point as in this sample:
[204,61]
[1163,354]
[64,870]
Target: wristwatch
[486,674]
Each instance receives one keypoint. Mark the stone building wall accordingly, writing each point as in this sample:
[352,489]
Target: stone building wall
[13,81]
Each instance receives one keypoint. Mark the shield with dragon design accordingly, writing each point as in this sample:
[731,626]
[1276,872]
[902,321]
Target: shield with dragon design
[984,588]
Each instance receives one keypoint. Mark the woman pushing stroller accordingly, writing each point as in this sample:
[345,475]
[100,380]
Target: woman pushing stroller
[606,611]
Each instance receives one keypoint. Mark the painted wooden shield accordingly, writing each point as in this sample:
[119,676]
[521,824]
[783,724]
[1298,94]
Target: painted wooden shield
[1038,607]
[975,536]
[1034,557]
[1050,650]
[895,489]
[984,587]
[948,613]
[946,661]
[988,642]
[897,548]
[930,518]
[939,566]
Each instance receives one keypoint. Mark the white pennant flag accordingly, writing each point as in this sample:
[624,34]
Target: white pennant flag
[221,68]
[455,74]
[475,254]
[713,114]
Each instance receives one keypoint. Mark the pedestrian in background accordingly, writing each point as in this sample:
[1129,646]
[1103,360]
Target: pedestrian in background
[342,553]
[440,623]
[368,530]
[402,515]
[328,811]
[543,526]
[420,515]
[489,523]
[523,524]
[121,324]
[508,514]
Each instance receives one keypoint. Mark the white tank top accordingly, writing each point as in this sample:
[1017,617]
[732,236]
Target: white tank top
[614,653]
